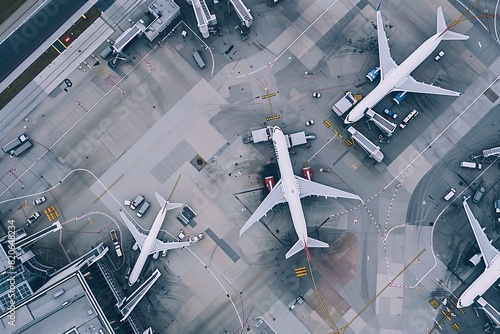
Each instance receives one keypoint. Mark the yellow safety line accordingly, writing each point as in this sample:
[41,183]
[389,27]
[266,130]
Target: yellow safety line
[111,186]
[382,291]
[319,296]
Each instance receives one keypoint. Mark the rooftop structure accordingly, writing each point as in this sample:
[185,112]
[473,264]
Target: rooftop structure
[163,12]
[243,12]
[80,297]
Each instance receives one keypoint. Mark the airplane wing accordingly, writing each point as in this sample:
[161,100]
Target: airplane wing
[138,236]
[310,188]
[489,252]
[384,53]
[161,246]
[414,86]
[275,197]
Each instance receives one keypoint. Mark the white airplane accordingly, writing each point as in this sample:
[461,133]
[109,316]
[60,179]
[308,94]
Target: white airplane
[148,243]
[291,188]
[491,257]
[394,78]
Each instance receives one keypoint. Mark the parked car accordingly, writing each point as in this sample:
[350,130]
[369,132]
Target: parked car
[439,55]
[33,218]
[39,200]
[310,122]
[317,95]
[390,113]
[196,238]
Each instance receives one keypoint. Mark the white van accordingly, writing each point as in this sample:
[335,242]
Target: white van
[450,194]
[136,202]
[143,209]
[471,165]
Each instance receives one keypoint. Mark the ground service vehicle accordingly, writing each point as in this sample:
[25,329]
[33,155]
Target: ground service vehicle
[21,149]
[344,104]
[114,238]
[450,194]
[316,95]
[408,118]
[471,165]
[390,113]
[439,55]
[136,202]
[479,194]
[198,59]
[310,122]
[145,206]
[39,200]
[13,144]
[33,218]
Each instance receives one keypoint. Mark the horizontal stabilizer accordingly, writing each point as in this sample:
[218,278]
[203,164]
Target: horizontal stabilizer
[295,249]
[313,243]
[160,200]
[454,36]
[443,29]
[171,206]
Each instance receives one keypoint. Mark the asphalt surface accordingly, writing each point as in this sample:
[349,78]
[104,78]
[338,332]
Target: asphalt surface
[19,46]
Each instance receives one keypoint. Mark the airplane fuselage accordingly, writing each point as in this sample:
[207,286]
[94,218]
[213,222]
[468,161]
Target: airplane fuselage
[481,284]
[289,185]
[147,246]
[394,78]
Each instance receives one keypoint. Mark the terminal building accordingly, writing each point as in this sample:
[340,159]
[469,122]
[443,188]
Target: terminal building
[81,297]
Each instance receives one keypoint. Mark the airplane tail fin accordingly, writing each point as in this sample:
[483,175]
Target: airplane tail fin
[444,29]
[295,249]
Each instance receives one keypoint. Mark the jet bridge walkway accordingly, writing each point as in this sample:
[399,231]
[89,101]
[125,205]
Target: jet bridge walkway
[369,147]
[491,152]
[382,123]
[26,241]
[203,16]
[490,311]
[243,12]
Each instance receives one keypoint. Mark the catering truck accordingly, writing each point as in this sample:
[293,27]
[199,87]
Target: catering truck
[345,103]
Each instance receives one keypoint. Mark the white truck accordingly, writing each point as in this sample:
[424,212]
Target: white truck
[344,104]
[15,143]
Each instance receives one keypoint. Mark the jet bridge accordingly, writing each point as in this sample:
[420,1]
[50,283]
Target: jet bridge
[382,123]
[243,12]
[490,311]
[203,17]
[492,151]
[369,147]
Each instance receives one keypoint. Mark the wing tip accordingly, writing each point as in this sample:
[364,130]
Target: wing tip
[378,7]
